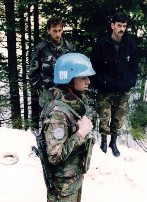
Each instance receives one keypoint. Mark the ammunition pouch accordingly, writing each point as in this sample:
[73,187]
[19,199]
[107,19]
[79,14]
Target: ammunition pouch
[87,155]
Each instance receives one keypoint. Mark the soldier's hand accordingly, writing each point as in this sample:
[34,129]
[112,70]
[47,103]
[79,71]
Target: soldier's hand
[85,126]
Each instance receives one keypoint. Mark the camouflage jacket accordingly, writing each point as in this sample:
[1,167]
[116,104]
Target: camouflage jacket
[65,148]
[43,59]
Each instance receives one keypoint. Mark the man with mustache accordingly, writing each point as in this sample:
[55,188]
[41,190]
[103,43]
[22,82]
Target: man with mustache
[114,58]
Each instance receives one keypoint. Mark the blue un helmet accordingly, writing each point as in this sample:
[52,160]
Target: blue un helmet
[72,65]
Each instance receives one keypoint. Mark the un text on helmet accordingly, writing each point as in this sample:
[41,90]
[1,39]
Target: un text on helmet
[63,75]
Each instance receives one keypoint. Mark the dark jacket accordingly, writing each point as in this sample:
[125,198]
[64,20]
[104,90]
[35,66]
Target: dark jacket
[43,59]
[116,71]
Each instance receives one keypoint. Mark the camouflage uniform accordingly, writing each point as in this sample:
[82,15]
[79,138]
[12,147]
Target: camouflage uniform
[65,148]
[114,106]
[43,59]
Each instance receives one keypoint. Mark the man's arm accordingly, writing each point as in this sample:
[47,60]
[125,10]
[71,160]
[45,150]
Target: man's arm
[61,144]
[134,66]
[35,70]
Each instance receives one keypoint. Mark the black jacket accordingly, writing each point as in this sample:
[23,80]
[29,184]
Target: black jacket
[43,59]
[116,71]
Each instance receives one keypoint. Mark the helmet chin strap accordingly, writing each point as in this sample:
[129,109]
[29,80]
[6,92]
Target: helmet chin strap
[77,94]
[71,91]
[73,98]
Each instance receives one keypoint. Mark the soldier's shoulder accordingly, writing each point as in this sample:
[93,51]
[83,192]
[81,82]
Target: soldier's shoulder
[69,44]
[41,45]
[57,116]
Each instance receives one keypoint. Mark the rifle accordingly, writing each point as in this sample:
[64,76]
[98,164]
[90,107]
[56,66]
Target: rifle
[42,154]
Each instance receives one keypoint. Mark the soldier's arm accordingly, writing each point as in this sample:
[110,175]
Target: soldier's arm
[134,67]
[35,69]
[60,144]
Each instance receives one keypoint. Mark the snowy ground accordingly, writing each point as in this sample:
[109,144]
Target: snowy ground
[109,179]
[112,179]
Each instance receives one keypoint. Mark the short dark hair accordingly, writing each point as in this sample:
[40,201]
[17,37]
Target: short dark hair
[54,22]
[119,17]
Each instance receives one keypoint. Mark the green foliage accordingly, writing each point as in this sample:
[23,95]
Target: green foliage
[4,102]
[28,123]
[138,120]
[137,133]
[24,3]
[17,122]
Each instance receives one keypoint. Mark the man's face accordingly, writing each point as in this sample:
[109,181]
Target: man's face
[81,83]
[119,29]
[55,32]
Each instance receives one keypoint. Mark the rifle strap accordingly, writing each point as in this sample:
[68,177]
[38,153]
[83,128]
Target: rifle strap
[57,105]
[63,106]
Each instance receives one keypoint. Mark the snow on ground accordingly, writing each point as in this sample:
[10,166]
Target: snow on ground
[22,181]
[109,179]
[116,179]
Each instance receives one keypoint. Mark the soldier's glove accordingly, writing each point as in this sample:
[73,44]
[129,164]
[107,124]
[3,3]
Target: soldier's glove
[85,126]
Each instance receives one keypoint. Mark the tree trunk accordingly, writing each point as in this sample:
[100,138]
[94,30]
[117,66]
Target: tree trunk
[12,65]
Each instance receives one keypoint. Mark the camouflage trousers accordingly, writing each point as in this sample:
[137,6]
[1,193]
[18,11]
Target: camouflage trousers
[72,194]
[112,108]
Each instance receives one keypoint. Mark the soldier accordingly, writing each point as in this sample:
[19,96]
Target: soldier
[114,59]
[46,53]
[67,128]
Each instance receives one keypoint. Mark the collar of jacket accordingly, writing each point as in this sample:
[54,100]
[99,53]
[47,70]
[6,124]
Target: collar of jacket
[67,95]
[50,42]
[109,40]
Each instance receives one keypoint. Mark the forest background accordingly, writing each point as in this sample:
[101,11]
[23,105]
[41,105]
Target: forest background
[23,25]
